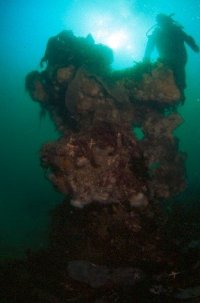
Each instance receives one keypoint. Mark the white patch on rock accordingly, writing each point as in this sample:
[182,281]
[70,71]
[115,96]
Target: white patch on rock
[138,200]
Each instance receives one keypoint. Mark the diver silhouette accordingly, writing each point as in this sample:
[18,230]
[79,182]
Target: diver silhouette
[169,39]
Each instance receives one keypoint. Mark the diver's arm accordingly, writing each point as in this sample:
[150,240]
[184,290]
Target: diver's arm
[42,61]
[50,45]
[45,57]
[149,48]
[191,42]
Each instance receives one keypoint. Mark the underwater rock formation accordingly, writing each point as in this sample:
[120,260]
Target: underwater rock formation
[112,176]
[96,114]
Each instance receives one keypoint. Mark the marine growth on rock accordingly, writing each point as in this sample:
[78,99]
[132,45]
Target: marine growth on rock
[98,158]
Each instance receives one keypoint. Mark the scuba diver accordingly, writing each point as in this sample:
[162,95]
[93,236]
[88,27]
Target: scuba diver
[169,39]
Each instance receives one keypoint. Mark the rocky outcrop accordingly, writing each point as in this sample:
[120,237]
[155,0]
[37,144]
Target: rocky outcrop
[95,160]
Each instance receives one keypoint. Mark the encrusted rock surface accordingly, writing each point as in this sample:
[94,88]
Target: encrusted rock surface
[157,86]
[100,164]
